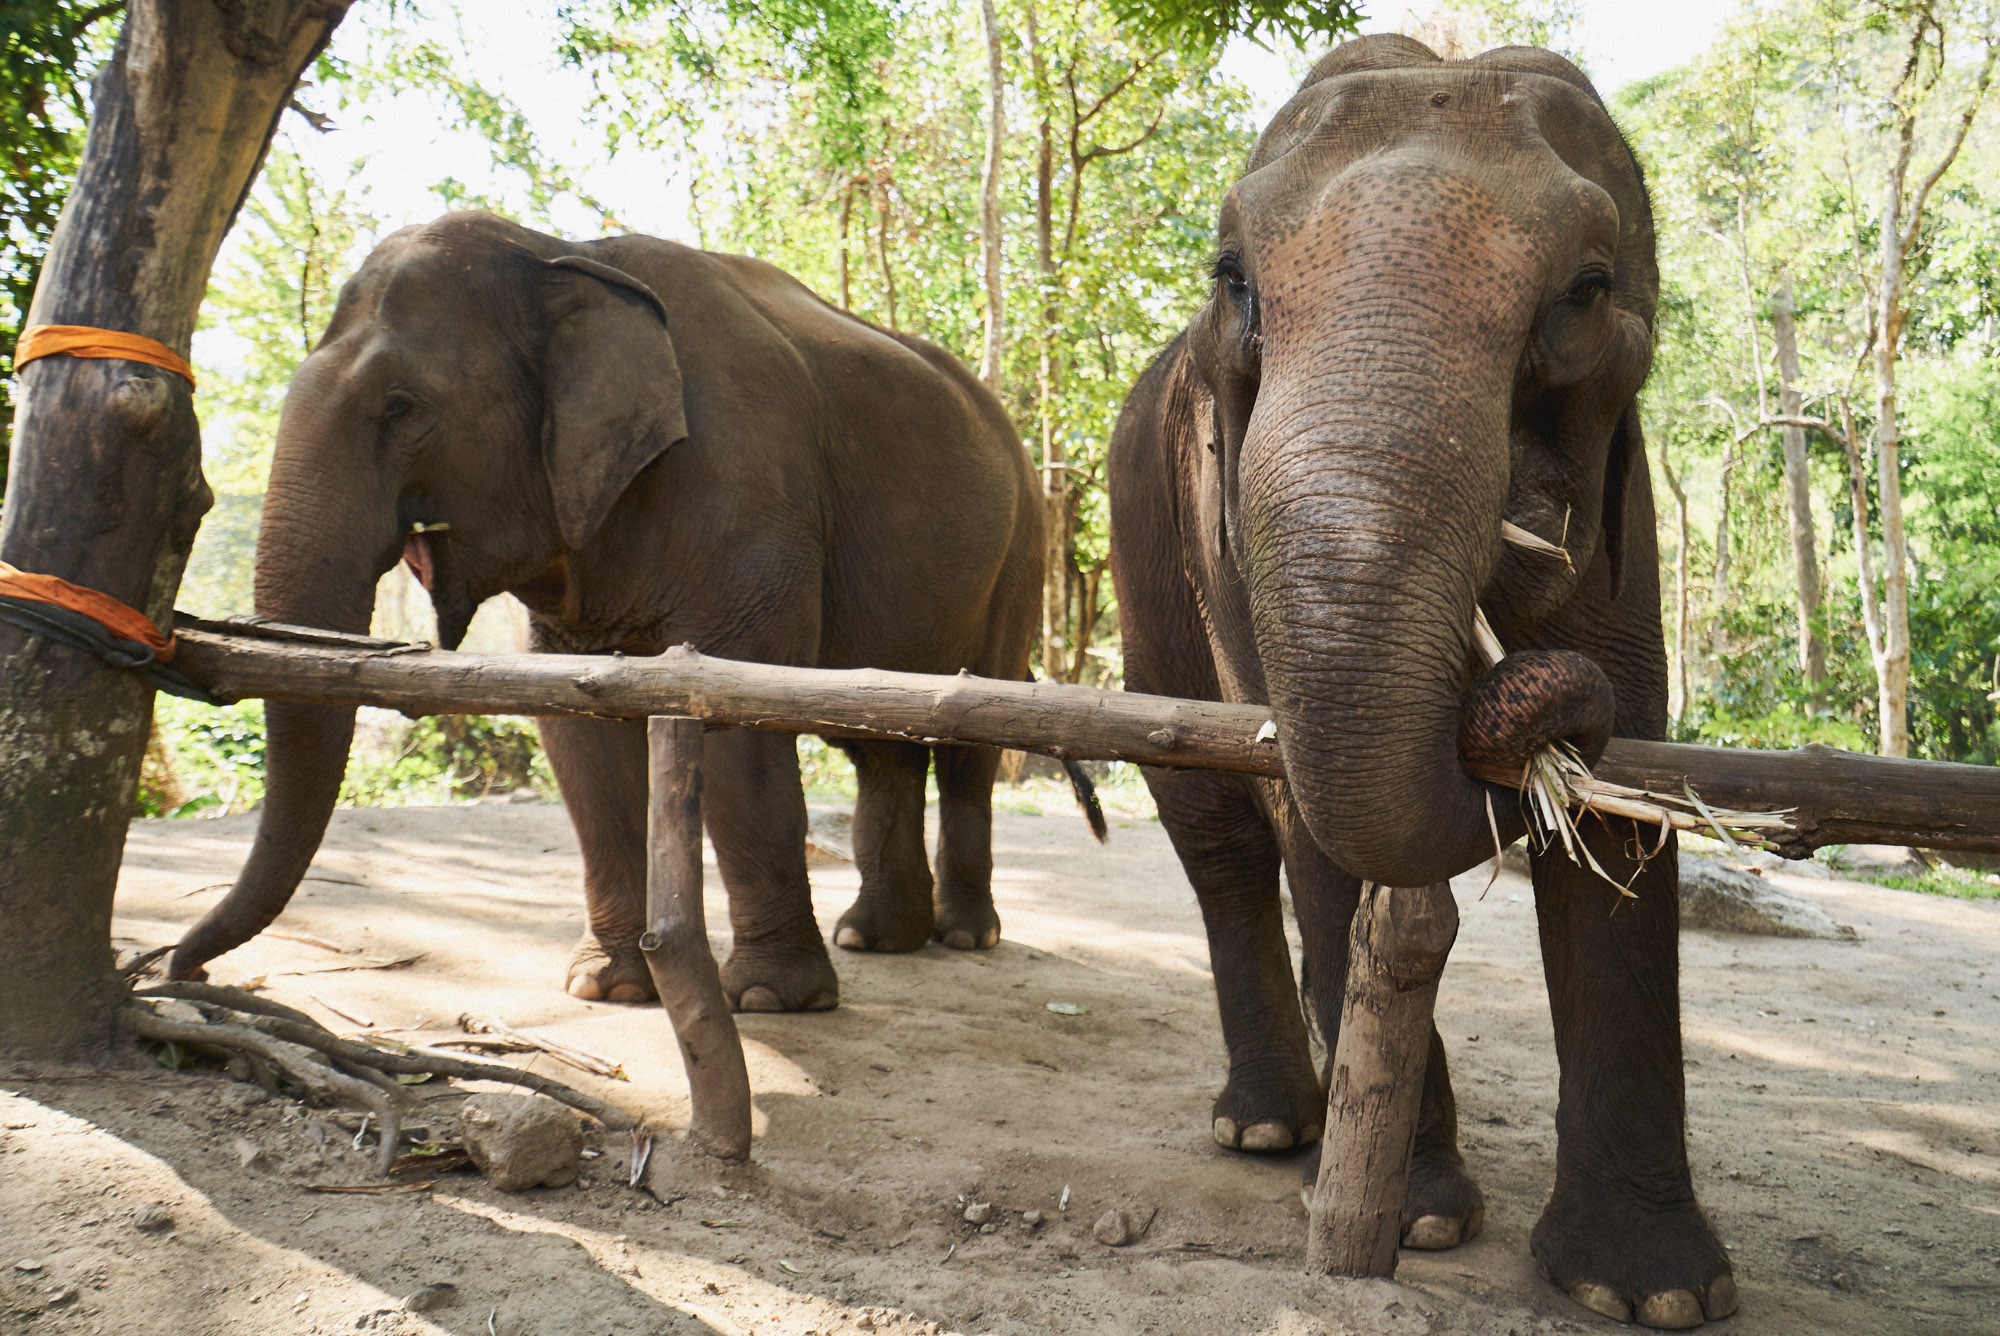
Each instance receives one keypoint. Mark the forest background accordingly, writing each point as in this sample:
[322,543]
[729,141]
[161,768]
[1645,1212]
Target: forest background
[1034,187]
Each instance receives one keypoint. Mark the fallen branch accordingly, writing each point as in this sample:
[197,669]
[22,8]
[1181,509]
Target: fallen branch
[262,1019]
[295,1060]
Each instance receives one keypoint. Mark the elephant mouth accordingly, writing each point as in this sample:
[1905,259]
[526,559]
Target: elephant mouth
[419,557]
[427,554]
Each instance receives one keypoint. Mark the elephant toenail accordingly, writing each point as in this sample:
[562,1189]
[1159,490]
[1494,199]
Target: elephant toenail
[628,992]
[1721,1299]
[850,938]
[1671,1310]
[585,987]
[1432,1233]
[989,939]
[958,939]
[1601,1299]
[1268,1137]
[759,999]
[1226,1133]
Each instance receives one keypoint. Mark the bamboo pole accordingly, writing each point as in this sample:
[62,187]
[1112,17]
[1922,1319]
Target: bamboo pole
[676,943]
[1827,796]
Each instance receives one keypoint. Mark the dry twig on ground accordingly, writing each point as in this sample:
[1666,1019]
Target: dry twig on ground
[274,1036]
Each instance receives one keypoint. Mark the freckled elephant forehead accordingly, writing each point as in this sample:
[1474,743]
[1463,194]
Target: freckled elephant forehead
[1478,111]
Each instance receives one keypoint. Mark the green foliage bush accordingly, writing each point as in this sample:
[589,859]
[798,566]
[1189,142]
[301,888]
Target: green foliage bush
[209,761]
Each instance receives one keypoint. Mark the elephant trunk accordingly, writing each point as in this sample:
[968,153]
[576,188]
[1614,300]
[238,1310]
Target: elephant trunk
[1374,477]
[311,571]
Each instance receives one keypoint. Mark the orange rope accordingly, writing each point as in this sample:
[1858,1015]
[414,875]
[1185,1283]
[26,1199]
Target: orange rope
[123,621]
[84,341]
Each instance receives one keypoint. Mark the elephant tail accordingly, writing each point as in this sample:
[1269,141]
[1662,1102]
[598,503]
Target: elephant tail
[1086,798]
[1086,793]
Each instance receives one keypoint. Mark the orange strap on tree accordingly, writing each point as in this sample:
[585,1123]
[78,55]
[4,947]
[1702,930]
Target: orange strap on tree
[85,341]
[120,619]
[97,624]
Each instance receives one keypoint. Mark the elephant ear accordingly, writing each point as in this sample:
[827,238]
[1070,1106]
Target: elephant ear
[612,388]
[1624,476]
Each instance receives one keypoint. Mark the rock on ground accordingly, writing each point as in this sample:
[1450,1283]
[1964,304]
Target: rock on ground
[829,835]
[521,1141]
[1723,899]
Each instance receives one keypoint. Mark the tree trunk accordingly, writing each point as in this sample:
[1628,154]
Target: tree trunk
[1678,675]
[1055,466]
[106,488]
[1893,676]
[1718,594]
[846,263]
[1798,488]
[989,198]
[1864,560]
[882,253]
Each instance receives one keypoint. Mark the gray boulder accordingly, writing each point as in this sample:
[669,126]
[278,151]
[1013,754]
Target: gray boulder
[1722,899]
[521,1141]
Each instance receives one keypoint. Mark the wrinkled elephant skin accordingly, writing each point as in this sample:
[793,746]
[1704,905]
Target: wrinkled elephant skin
[1432,312]
[651,445]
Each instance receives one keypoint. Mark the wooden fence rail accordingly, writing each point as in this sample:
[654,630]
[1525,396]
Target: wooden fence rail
[1831,796]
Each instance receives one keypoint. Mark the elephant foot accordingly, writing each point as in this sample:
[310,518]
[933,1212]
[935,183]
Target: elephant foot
[600,973]
[875,923]
[970,925]
[1269,1115]
[1660,1268]
[1442,1206]
[761,976]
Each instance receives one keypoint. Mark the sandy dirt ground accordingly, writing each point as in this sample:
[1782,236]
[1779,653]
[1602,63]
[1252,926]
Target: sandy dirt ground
[1843,1099]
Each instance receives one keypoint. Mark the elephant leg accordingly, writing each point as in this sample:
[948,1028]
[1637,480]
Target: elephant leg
[1442,1207]
[755,813]
[966,918]
[1622,1233]
[894,910]
[1273,1100]
[600,766]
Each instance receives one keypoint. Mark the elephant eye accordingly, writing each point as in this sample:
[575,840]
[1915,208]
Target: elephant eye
[1588,284]
[1229,270]
[395,406]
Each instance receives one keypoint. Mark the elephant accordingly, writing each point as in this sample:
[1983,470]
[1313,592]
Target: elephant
[650,445]
[1431,312]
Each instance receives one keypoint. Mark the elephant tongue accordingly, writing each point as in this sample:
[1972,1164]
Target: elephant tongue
[417,556]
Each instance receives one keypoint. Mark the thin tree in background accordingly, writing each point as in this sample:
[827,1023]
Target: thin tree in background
[1922,70]
[1798,488]
[989,198]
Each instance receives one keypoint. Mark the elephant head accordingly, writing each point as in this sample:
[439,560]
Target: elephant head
[482,398]
[1432,312]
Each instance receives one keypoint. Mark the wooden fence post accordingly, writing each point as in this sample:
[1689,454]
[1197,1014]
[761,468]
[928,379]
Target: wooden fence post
[676,942]
[1396,951]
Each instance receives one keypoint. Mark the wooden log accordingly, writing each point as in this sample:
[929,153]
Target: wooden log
[1834,797]
[1396,951]
[676,943]
[104,488]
